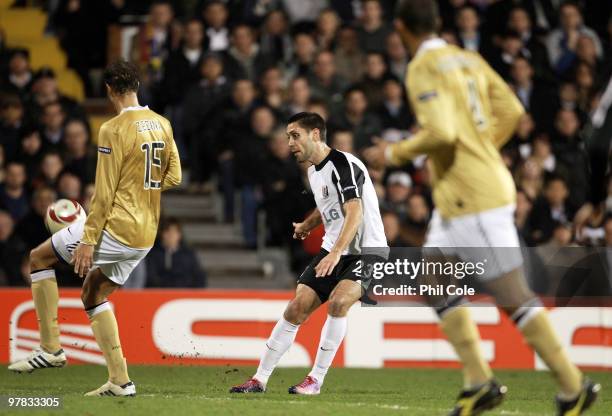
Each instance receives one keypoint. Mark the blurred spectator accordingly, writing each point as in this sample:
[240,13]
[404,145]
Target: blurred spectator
[520,22]
[391,223]
[393,111]
[549,210]
[19,77]
[561,236]
[417,218]
[542,154]
[251,152]
[349,58]
[271,88]
[299,96]
[201,102]
[328,24]
[563,41]
[275,40]
[12,251]
[11,121]
[585,84]
[230,123]
[568,97]
[399,186]
[319,107]
[181,69]
[45,91]
[586,51]
[374,79]
[536,97]
[32,228]
[343,140]
[282,190]
[355,118]
[13,195]
[571,157]
[593,233]
[510,49]
[567,127]
[244,58]
[304,50]
[78,156]
[31,150]
[69,186]
[520,146]
[467,22]
[397,56]
[51,167]
[171,263]
[372,30]
[52,124]
[152,45]
[325,84]
[530,178]
[215,16]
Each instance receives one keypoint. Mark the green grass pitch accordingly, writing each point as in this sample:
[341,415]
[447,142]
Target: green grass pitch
[204,390]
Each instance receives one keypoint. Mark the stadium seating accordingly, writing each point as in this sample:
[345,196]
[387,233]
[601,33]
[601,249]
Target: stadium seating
[25,28]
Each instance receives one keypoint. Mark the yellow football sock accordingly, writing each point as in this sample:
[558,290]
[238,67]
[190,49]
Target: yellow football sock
[462,333]
[46,299]
[539,333]
[104,326]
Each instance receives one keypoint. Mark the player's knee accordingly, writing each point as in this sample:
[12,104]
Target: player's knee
[37,259]
[338,305]
[295,313]
[89,296]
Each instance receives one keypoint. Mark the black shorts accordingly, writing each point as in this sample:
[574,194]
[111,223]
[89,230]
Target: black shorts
[350,267]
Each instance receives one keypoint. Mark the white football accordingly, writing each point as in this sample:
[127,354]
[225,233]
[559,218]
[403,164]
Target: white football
[62,213]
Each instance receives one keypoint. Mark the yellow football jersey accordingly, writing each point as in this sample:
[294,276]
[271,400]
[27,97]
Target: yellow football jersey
[465,112]
[137,159]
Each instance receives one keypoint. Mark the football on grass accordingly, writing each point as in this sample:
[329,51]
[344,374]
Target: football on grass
[62,213]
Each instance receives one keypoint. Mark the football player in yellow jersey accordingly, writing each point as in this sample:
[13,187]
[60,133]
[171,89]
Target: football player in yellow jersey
[466,112]
[137,160]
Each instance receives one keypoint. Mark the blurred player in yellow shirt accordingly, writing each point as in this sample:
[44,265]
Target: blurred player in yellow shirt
[466,113]
[137,160]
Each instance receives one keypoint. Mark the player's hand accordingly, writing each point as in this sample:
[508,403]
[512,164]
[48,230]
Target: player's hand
[83,259]
[299,231]
[375,155]
[327,264]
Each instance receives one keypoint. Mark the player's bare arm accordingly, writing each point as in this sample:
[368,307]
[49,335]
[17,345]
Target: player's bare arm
[353,216]
[301,230]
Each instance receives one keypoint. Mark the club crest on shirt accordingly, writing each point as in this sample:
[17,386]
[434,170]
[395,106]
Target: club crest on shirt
[325,191]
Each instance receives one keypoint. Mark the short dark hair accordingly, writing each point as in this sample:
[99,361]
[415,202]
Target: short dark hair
[122,77]
[169,222]
[309,121]
[420,17]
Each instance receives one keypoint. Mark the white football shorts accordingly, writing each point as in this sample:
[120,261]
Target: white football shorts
[488,236]
[116,260]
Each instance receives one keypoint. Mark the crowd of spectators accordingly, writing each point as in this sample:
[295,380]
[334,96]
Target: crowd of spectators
[227,73]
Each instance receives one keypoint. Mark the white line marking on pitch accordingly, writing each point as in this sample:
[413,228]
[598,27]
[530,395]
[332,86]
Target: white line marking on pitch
[353,404]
